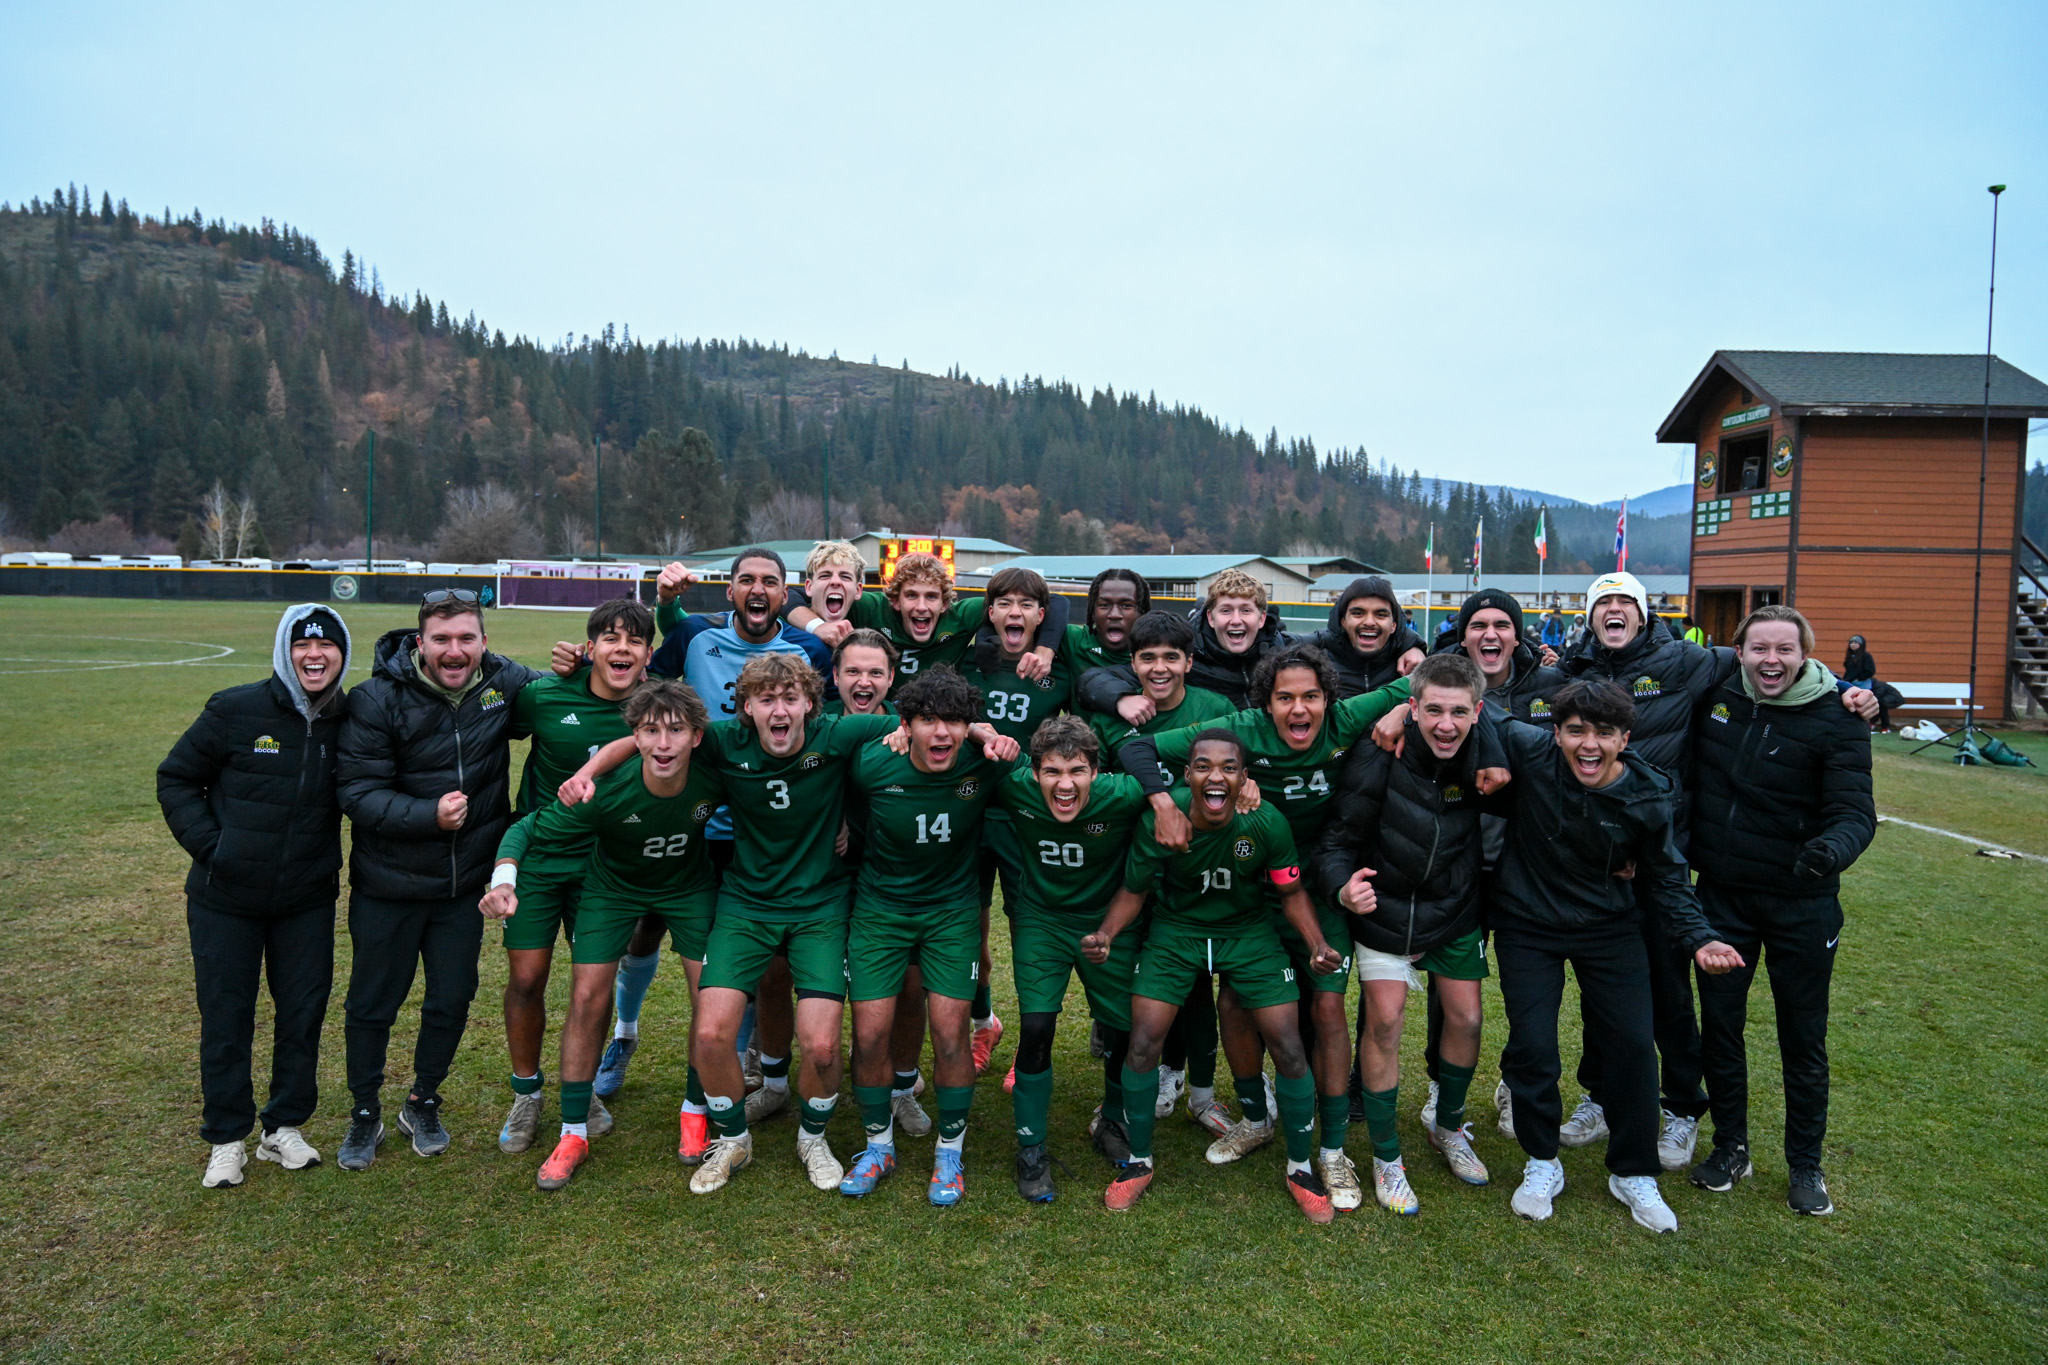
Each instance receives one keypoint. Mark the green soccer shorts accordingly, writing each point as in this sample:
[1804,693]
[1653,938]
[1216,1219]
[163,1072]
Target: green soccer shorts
[604,926]
[1336,932]
[945,944]
[740,950]
[1460,959]
[1254,965]
[1047,952]
[547,904]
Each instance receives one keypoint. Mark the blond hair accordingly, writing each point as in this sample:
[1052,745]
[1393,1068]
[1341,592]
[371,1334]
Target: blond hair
[829,553]
[1776,613]
[921,568]
[774,673]
[1235,583]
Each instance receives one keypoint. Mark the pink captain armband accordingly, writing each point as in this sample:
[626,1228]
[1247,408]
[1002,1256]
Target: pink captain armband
[1284,877]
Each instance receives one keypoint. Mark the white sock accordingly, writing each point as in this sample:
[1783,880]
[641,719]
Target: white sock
[1331,1152]
[581,1130]
[689,1108]
[885,1138]
[953,1144]
[1296,1167]
[626,1028]
[1199,1095]
[910,1089]
[980,1024]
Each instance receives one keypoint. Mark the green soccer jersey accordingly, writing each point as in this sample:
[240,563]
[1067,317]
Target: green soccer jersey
[952,638]
[568,723]
[1071,869]
[1298,785]
[1218,888]
[924,830]
[640,846]
[1016,707]
[1081,650]
[1198,706]
[786,814]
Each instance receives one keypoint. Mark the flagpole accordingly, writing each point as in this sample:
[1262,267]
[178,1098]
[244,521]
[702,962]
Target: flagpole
[1542,553]
[1429,590]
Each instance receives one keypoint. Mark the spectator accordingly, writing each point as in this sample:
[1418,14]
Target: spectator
[1554,633]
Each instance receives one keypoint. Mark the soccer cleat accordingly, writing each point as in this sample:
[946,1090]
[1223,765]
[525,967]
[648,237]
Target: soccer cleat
[1340,1178]
[1504,1101]
[1727,1164]
[985,1040]
[1129,1186]
[1010,1080]
[611,1068]
[420,1120]
[949,1177]
[1542,1182]
[224,1166]
[569,1153]
[522,1124]
[1677,1141]
[911,1120]
[874,1162]
[766,1103]
[288,1148]
[1429,1108]
[1240,1141]
[1110,1139]
[1210,1114]
[359,1148]
[1644,1200]
[1390,1186]
[1034,1174]
[1807,1192]
[1172,1085]
[600,1121]
[724,1156]
[1314,1200]
[819,1164]
[1588,1123]
[696,1131]
[750,1069]
[1456,1146]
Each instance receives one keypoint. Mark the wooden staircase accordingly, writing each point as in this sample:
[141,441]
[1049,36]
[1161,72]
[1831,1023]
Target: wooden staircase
[2030,624]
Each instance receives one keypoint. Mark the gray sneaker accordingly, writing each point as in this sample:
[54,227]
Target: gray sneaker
[359,1148]
[600,1121]
[1587,1124]
[522,1124]
[420,1120]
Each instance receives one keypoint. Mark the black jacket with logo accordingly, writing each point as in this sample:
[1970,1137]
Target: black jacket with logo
[1415,821]
[1215,667]
[403,748]
[1668,677]
[1772,783]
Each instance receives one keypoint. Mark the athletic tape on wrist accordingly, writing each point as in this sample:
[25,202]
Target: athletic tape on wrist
[506,874]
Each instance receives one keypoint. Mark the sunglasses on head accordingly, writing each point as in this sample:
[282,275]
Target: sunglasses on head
[464,596]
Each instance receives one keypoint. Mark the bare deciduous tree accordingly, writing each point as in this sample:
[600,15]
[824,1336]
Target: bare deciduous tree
[573,534]
[486,524]
[790,515]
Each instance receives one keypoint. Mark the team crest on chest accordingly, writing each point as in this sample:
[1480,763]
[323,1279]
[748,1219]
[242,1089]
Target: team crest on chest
[966,790]
[1099,827]
[702,812]
[1647,686]
[266,745]
[1243,849]
[810,761]
[491,700]
[1453,793]
[1539,709]
[1720,712]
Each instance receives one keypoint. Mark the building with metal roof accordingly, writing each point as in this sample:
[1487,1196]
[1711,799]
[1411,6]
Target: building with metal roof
[1168,575]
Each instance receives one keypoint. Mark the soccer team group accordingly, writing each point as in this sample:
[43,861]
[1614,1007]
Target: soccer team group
[815,795]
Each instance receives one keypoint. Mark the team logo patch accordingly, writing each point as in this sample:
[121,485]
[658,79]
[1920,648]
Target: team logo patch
[1647,686]
[266,745]
[1453,793]
[1720,712]
[1339,753]
[966,790]
[810,761]
[1045,683]
[1243,849]
[1538,708]
[1099,827]
[702,813]
[491,700]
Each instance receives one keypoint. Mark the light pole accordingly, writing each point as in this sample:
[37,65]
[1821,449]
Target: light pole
[370,511]
[598,442]
[828,483]
[1983,475]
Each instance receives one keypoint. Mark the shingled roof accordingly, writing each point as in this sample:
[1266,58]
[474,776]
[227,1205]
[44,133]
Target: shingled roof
[1862,384]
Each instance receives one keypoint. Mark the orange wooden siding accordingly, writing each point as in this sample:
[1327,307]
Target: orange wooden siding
[1904,481]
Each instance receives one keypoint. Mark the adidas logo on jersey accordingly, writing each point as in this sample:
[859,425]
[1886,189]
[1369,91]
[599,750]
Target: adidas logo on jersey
[893,788]
[714,652]
[570,719]
[1262,763]
[630,820]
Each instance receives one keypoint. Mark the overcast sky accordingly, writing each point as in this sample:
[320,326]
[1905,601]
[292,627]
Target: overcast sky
[1492,241]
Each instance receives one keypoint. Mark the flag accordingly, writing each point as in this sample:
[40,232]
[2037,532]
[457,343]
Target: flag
[1429,551]
[1621,538]
[1478,549]
[1542,540]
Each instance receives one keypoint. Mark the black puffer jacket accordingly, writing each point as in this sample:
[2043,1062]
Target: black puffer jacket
[1415,821]
[1530,686]
[402,749]
[1668,677]
[249,792]
[1358,672]
[1215,667]
[1565,843]
[1782,801]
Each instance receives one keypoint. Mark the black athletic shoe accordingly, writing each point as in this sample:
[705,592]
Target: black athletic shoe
[1034,1174]
[359,1148]
[1808,1192]
[421,1121]
[1112,1141]
[1726,1164]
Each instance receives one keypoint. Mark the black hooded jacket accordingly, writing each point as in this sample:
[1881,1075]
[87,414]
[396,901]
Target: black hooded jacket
[403,748]
[249,791]
[1415,821]
[1778,783]
[1359,672]
[1668,677]
[1566,841]
[1215,667]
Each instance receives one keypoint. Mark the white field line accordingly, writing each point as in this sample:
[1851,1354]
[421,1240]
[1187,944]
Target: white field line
[104,665]
[1951,834]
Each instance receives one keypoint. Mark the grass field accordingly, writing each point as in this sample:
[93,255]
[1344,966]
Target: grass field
[111,1251]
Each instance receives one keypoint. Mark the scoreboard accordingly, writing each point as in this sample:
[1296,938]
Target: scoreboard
[894,549]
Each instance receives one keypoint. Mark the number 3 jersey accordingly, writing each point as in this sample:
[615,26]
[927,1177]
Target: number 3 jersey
[1218,888]
[924,830]
[644,849]
[1070,869]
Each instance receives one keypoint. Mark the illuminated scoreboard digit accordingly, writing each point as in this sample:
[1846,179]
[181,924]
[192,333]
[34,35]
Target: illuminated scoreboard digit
[894,550]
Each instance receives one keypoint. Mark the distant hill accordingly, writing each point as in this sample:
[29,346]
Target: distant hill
[146,359]
[1663,502]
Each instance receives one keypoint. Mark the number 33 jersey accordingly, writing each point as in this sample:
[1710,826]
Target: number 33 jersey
[924,830]
[642,846]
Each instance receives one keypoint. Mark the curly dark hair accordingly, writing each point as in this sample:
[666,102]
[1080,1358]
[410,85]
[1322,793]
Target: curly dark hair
[1306,656]
[1597,701]
[939,694]
[1130,576]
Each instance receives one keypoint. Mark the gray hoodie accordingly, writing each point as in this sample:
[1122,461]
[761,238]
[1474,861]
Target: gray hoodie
[281,658]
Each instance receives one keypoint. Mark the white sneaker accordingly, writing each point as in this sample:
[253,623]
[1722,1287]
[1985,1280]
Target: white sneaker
[288,1148]
[766,1103]
[1645,1201]
[1504,1101]
[1340,1178]
[1429,1108]
[1172,1085]
[911,1120]
[225,1166]
[1456,1146]
[1542,1182]
[1242,1139]
[1676,1142]
[1390,1186]
[1210,1114]
[721,1158]
[600,1121]
[1588,1123]
[819,1164]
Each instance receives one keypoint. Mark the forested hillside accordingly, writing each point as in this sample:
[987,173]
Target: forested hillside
[167,376]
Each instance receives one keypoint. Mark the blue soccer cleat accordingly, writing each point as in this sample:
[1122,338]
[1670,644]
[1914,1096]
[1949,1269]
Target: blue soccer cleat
[869,1167]
[949,1178]
[611,1068]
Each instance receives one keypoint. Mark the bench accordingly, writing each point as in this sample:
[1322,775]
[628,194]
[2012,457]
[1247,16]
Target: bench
[1933,696]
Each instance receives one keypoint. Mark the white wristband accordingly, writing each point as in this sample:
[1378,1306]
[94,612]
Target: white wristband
[506,874]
